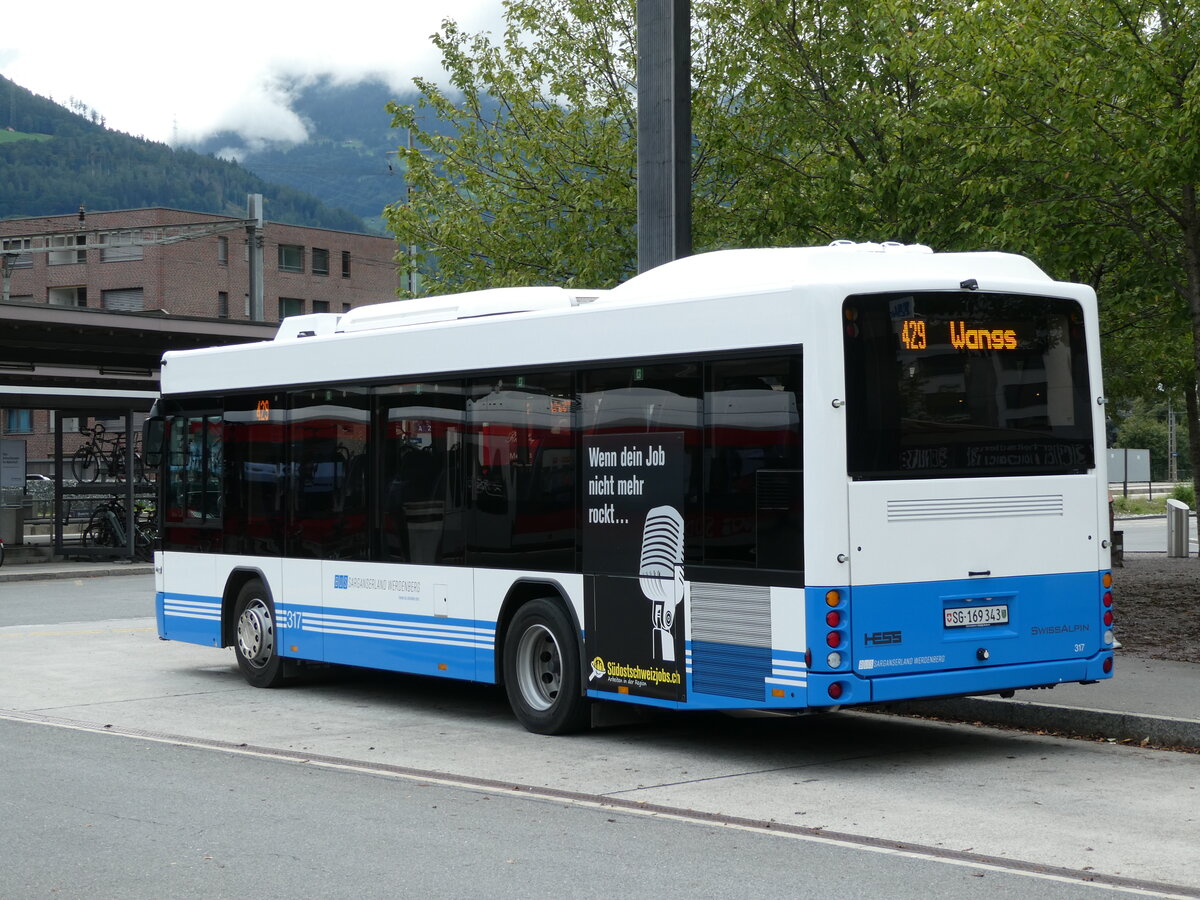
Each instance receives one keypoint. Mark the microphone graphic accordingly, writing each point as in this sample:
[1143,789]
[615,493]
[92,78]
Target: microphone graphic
[661,576]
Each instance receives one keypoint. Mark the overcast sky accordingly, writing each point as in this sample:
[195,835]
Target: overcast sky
[161,70]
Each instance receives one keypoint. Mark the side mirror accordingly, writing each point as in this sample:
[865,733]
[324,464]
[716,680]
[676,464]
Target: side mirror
[152,440]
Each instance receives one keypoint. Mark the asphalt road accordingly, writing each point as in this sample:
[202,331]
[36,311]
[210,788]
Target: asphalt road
[136,768]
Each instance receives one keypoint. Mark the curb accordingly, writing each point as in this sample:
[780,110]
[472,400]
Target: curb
[1163,731]
[16,574]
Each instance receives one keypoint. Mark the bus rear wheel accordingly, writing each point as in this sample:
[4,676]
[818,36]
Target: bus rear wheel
[255,636]
[541,670]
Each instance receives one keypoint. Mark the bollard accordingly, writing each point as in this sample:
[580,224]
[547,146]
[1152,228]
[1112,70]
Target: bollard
[1177,528]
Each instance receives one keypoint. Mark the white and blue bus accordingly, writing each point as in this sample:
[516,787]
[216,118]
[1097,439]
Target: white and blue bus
[778,480]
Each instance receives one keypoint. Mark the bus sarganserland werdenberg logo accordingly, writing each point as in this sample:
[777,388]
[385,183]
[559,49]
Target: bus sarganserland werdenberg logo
[341,582]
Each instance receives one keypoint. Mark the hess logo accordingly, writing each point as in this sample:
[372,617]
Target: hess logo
[879,638]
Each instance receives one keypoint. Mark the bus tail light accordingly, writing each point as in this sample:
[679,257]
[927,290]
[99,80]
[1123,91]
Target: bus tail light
[835,622]
[1107,615]
[836,689]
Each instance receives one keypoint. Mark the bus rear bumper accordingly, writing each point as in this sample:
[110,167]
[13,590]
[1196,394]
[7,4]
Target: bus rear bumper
[957,683]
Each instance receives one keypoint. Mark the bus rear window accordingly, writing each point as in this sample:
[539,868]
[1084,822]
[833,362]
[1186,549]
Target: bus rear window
[956,385]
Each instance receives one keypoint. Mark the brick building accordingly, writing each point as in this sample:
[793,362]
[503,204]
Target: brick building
[185,264]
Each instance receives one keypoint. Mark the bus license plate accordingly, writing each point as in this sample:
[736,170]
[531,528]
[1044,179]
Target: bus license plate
[963,616]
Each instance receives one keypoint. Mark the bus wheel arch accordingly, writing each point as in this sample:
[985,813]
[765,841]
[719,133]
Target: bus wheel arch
[540,660]
[249,624]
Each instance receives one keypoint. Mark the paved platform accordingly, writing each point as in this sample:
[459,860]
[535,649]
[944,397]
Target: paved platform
[70,569]
[1147,700]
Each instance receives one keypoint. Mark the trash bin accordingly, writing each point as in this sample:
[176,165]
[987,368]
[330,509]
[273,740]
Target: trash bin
[12,525]
[1177,528]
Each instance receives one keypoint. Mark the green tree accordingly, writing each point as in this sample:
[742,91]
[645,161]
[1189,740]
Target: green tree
[1062,129]
[532,183]
[811,122]
[1083,115]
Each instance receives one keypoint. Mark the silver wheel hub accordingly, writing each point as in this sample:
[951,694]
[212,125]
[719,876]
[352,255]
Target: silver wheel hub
[539,667]
[256,633]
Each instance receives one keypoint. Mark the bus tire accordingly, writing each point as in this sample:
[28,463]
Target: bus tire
[541,670]
[255,636]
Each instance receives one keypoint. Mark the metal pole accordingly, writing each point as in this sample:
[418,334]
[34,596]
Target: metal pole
[664,131]
[130,487]
[254,237]
[58,483]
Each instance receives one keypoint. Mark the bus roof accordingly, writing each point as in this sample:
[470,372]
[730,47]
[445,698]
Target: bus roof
[848,267]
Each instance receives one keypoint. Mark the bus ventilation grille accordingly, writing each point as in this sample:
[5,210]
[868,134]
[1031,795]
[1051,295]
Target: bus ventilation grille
[731,639]
[974,508]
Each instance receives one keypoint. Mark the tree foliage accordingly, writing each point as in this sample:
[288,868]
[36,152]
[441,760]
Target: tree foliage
[1061,129]
[811,122]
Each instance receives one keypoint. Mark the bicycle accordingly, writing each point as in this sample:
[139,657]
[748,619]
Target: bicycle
[104,454]
[106,528]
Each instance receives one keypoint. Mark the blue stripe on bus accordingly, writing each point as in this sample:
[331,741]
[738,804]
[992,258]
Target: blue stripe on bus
[192,618]
[397,642]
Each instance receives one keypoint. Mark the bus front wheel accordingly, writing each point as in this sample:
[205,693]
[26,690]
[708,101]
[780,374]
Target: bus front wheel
[541,670]
[255,636]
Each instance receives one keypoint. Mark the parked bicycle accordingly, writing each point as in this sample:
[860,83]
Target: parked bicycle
[104,455]
[108,523]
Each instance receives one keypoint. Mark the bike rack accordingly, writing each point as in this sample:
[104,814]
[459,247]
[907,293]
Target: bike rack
[127,490]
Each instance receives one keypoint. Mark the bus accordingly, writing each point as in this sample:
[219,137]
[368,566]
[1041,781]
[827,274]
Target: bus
[778,480]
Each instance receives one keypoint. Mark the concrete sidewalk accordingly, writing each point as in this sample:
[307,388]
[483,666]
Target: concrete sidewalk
[1151,700]
[1146,700]
[70,569]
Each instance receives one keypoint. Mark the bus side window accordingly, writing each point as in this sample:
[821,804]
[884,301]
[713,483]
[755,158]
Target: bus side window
[753,496]
[328,433]
[192,490]
[420,493]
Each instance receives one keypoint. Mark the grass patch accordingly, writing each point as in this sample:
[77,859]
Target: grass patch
[8,137]
[1139,506]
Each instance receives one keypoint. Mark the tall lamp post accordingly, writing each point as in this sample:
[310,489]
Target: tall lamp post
[664,131]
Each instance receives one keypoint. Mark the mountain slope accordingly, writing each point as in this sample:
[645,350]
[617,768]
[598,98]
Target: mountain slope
[54,159]
[349,158]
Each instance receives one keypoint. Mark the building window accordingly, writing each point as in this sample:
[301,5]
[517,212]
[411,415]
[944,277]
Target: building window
[222,251]
[346,307]
[291,258]
[19,246]
[70,424]
[320,306]
[63,256]
[67,296]
[118,246]
[222,304]
[18,421]
[290,306]
[345,263]
[320,261]
[123,300]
